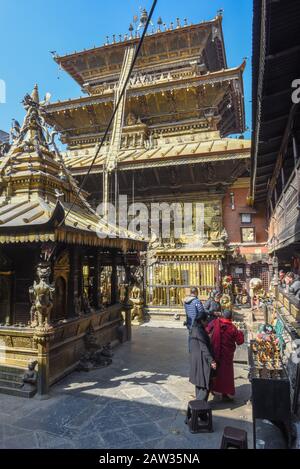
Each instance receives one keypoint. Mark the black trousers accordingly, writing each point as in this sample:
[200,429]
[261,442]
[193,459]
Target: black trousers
[201,393]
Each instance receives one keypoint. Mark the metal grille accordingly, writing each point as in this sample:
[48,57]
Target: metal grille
[261,271]
[168,283]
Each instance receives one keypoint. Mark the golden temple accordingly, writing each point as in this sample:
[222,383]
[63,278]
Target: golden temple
[182,104]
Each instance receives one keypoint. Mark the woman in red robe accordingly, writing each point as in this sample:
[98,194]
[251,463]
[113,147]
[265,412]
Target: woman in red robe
[224,338]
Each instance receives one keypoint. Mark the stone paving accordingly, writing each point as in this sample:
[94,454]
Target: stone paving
[137,402]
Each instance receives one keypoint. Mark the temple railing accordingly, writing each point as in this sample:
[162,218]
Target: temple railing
[19,345]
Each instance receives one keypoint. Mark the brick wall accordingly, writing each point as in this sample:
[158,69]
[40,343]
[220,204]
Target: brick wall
[232,217]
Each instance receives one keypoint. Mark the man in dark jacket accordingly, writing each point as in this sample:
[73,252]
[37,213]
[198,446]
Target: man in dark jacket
[213,306]
[201,358]
[193,309]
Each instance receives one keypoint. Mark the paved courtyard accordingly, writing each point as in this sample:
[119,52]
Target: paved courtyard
[137,402]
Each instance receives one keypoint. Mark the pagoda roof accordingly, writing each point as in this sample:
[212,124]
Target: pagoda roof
[218,149]
[39,198]
[170,81]
[158,47]
[151,101]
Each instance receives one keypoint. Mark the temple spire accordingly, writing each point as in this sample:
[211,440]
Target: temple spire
[33,131]
[35,94]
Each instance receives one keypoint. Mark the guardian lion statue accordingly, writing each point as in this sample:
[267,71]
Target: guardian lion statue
[41,296]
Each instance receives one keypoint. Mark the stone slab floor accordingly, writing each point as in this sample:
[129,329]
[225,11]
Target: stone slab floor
[137,402]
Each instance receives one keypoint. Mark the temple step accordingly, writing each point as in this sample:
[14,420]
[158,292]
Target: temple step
[10,383]
[11,380]
[19,392]
[165,314]
[12,369]
[8,376]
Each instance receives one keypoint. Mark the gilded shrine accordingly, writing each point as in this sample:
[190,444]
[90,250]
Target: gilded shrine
[62,268]
[173,143]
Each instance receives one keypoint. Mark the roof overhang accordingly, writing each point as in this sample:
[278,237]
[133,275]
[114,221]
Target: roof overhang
[276,64]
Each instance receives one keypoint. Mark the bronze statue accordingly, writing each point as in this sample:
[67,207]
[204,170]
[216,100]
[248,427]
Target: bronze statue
[41,297]
[30,377]
[15,130]
[95,355]
[137,294]
[131,119]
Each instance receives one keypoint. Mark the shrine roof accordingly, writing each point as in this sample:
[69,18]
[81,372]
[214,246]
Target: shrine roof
[207,78]
[39,198]
[204,151]
[160,45]
[37,220]
[174,98]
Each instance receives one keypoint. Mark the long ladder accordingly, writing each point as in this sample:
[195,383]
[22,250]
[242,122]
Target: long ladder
[116,135]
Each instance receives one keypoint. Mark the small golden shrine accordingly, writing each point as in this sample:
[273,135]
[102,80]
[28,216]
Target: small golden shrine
[62,270]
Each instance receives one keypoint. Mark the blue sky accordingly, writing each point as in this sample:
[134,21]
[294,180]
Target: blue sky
[30,29]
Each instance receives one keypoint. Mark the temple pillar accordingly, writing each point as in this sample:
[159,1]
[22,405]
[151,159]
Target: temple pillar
[76,263]
[42,340]
[80,273]
[126,305]
[96,280]
[114,280]
[72,283]
[6,288]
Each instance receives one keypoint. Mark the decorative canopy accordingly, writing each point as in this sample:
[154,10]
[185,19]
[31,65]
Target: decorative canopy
[39,198]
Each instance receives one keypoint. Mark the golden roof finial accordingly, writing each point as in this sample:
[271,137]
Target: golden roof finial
[35,94]
[143,19]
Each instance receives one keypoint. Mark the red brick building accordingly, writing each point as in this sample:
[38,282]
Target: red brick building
[247,234]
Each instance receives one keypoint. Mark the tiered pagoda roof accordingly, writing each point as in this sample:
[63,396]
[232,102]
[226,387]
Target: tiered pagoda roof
[181,76]
[40,200]
[164,48]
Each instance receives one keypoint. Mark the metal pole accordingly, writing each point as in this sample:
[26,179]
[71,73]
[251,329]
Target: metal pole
[105,195]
